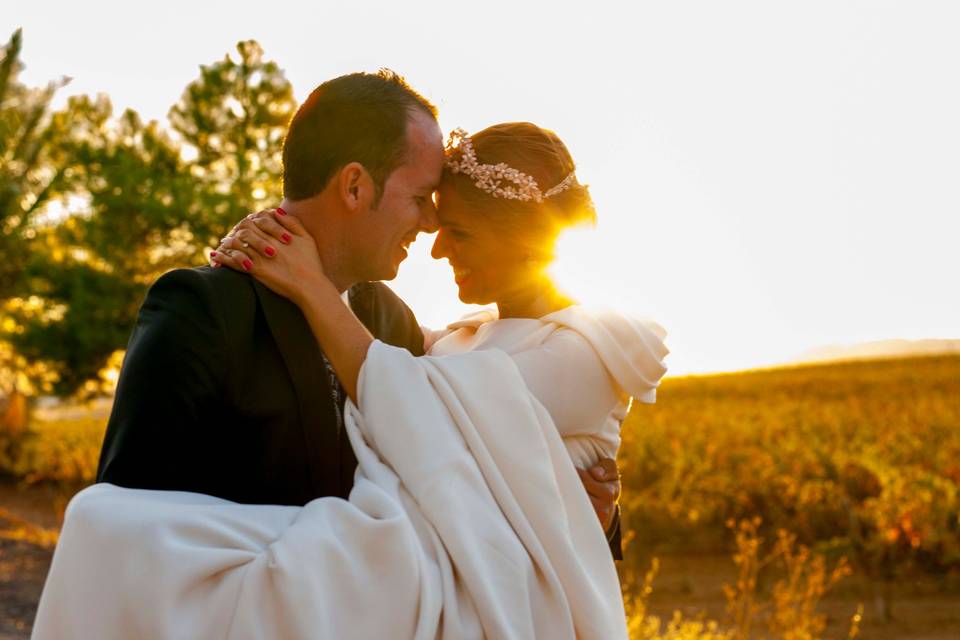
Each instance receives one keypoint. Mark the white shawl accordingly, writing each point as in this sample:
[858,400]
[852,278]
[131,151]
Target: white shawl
[467,519]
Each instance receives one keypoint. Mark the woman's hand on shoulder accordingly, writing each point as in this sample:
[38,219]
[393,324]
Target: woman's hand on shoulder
[274,247]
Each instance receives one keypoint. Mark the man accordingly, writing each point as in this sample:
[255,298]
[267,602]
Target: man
[224,390]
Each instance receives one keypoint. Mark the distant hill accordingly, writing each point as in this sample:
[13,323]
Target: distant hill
[881,349]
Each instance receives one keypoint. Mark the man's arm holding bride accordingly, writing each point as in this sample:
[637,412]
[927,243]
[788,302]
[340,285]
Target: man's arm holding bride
[602,482]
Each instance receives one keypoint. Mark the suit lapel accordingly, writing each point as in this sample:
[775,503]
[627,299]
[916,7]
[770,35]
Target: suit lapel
[304,361]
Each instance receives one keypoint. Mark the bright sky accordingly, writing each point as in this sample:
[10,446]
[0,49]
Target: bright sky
[770,176]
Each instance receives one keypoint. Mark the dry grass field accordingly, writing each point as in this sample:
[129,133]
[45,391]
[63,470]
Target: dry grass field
[859,462]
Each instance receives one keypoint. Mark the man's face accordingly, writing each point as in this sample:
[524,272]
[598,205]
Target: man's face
[383,233]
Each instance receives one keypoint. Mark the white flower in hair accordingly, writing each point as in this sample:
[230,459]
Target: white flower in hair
[490,177]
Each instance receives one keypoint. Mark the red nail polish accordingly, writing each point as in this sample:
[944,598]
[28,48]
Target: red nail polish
[281,212]
[213,254]
[270,251]
[216,264]
[286,237]
[247,265]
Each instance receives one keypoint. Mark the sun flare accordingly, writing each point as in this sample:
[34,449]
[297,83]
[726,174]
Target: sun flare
[578,265]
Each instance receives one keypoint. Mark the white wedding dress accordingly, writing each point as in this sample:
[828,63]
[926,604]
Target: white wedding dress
[467,518]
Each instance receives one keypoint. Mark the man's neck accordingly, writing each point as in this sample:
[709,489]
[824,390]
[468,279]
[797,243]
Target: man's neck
[327,239]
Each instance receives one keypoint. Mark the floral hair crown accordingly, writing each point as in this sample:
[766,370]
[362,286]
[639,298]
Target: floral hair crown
[491,177]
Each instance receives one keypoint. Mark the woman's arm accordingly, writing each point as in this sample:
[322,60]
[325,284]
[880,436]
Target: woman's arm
[296,272]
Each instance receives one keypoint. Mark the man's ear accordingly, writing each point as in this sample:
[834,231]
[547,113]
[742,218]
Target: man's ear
[355,186]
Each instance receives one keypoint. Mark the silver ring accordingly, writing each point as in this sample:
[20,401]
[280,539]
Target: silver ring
[246,245]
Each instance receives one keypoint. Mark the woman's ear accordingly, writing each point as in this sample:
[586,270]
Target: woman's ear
[355,186]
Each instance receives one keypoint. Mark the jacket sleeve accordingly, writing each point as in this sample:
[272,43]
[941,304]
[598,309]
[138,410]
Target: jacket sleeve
[171,385]
[614,536]
[386,316]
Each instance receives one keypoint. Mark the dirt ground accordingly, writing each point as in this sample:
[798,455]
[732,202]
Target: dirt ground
[23,566]
[692,584]
[28,524]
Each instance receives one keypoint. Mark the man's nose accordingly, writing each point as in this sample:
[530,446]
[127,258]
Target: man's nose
[429,222]
[439,249]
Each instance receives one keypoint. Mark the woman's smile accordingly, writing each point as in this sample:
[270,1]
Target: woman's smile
[461,274]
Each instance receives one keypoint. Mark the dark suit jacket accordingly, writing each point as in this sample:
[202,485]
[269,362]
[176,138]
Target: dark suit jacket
[224,391]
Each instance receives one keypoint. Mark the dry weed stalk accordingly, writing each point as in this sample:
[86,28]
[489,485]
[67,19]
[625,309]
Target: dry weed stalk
[643,627]
[791,613]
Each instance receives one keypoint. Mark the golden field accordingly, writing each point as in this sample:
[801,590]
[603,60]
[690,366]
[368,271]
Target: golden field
[860,458]
[857,460]
[803,474]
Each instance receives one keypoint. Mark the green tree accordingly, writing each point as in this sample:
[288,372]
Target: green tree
[153,199]
[91,270]
[233,119]
[36,169]
[34,165]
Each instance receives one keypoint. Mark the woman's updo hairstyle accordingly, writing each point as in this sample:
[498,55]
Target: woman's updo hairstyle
[540,154]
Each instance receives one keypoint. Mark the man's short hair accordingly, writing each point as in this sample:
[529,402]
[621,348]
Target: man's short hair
[360,117]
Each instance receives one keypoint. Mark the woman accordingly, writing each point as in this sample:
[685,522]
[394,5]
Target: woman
[501,408]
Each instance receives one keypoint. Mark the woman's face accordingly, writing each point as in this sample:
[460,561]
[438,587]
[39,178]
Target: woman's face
[488,265]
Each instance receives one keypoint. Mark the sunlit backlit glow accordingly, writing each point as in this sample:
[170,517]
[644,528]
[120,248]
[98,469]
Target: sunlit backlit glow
[753,220]
[579,263]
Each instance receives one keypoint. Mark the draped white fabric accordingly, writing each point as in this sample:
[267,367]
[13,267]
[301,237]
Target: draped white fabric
[467,520]
[582,364]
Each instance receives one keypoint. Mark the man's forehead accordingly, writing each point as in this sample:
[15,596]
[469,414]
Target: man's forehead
[426,149]
[424,128]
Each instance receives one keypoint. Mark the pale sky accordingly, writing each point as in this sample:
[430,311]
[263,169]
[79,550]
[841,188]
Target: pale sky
[770,176]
